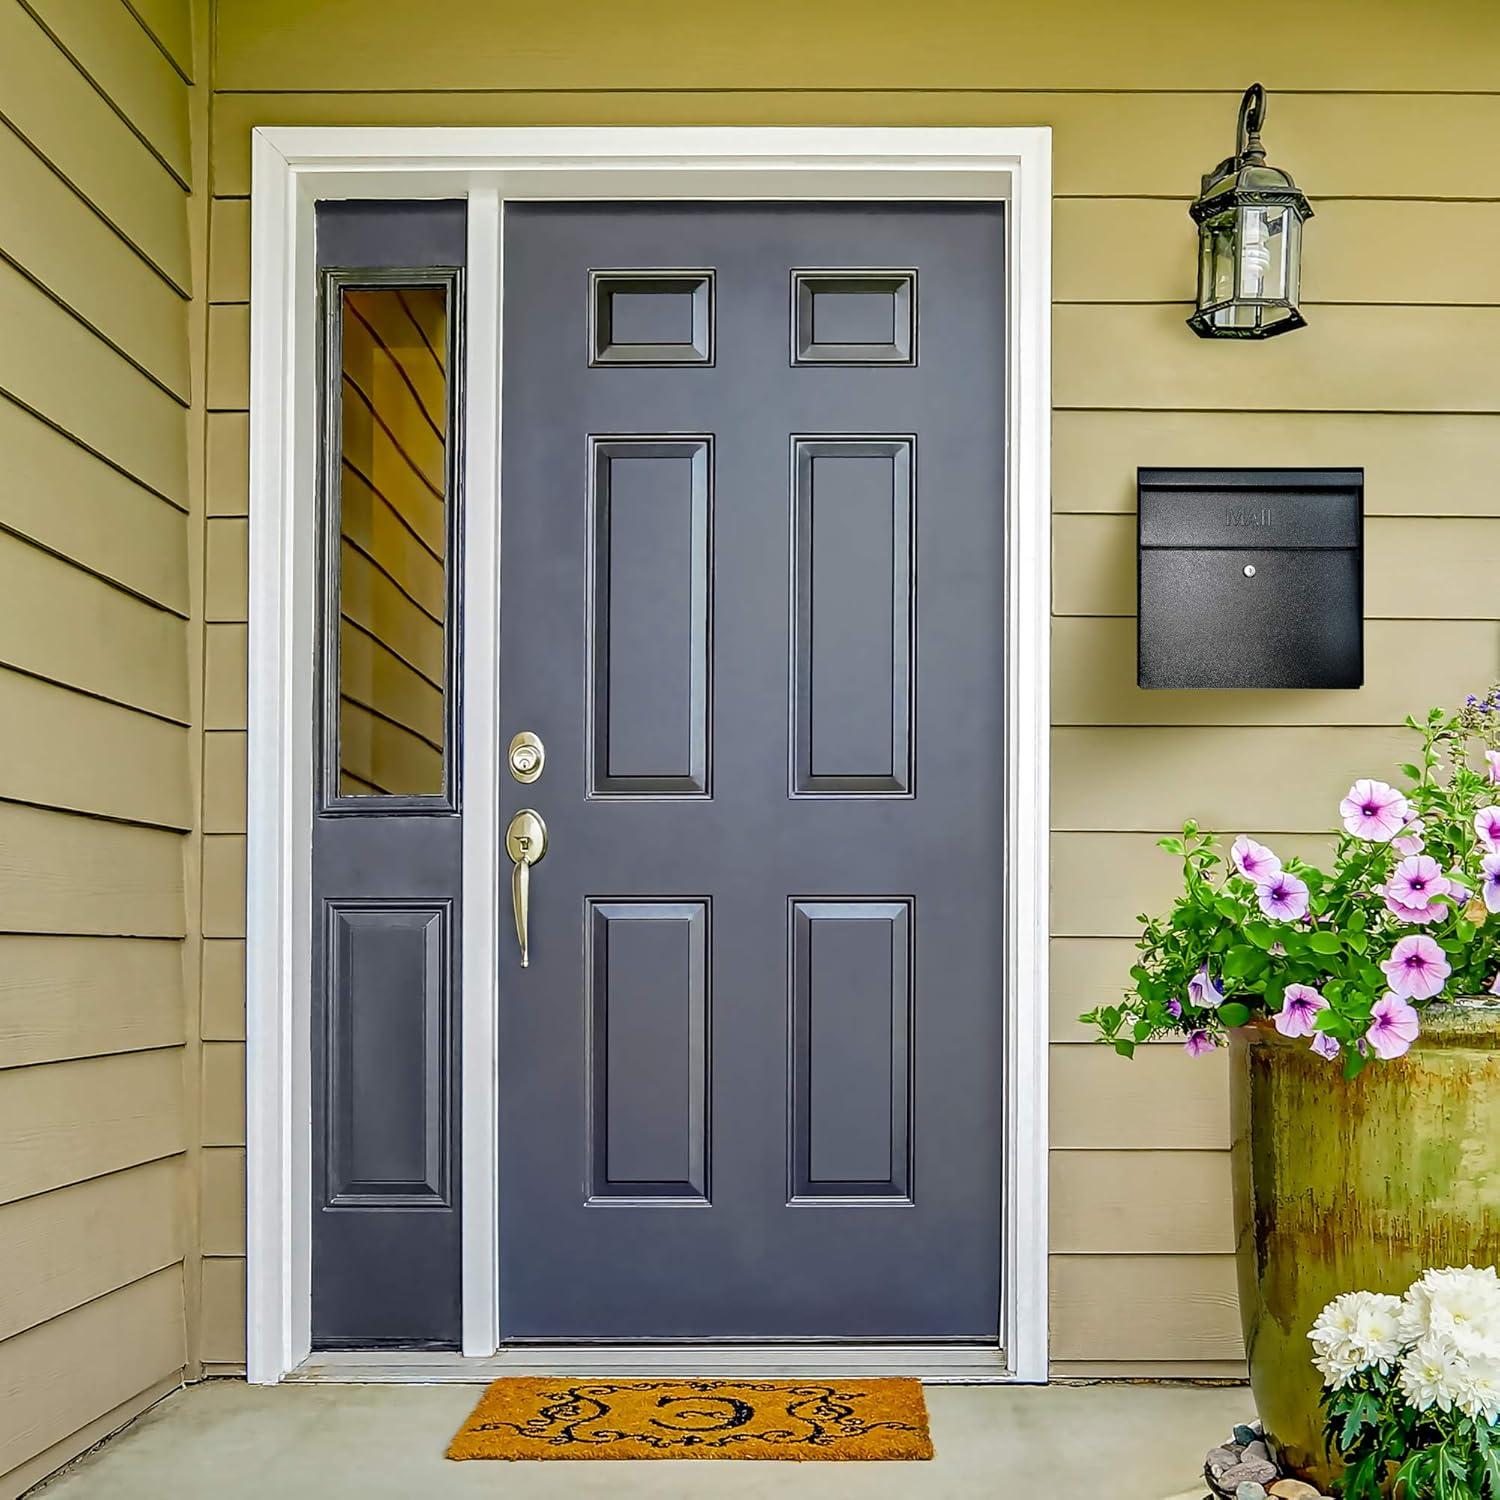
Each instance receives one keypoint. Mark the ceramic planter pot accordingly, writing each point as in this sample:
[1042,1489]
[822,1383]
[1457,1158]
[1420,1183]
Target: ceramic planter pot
[1355,1186]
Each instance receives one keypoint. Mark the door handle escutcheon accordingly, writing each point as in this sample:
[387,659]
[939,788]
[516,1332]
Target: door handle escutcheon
[526,843]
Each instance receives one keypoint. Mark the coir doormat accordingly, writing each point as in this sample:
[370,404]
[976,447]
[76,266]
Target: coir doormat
[785,1419]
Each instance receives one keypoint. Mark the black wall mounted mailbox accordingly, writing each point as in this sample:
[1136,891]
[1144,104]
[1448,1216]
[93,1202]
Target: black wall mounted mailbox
[1251,578]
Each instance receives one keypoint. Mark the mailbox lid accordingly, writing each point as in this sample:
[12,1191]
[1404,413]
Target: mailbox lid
[1250,508]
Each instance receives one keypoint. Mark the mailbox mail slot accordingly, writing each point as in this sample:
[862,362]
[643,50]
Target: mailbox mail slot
[1251,578]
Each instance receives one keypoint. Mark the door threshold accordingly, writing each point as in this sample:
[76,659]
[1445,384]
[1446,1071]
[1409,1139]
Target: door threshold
[936,1364]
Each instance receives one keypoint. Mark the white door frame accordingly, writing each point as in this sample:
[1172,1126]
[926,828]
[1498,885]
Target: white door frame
[293,168]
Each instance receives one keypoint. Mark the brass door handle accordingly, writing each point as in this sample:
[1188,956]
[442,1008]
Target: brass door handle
[526,843]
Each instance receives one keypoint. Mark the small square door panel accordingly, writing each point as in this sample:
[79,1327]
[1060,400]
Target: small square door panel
[651,317]
[855,317]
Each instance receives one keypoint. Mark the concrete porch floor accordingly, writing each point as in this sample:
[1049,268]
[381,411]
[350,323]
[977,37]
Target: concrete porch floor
[231,1441]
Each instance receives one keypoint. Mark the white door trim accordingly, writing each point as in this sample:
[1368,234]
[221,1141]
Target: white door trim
[293,167]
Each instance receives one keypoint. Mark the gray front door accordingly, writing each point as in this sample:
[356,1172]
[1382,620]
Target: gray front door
[752,529]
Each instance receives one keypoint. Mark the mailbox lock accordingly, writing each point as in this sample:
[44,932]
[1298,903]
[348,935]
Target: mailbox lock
[1249,570]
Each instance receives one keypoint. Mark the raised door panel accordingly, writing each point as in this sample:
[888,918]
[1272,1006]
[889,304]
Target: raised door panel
[649,1054]
[651,583]
[388,1054]
[851,1023]
[852,683]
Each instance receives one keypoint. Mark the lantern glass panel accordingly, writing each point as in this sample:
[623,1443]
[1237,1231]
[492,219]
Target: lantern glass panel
[1216,269]
[1262,254]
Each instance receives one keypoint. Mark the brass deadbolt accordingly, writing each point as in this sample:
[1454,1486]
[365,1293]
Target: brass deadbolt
[527,756]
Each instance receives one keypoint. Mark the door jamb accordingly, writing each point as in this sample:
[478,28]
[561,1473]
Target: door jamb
[293,167]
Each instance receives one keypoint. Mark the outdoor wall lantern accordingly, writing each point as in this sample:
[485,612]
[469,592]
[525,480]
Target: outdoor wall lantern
[1249,217]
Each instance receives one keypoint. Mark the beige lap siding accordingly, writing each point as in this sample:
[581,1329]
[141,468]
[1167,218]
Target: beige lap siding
[1396,373]
[97,801]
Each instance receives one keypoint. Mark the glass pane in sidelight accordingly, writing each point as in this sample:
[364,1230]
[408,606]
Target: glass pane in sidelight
[393,541]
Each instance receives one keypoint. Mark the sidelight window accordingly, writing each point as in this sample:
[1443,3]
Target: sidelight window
[389,454]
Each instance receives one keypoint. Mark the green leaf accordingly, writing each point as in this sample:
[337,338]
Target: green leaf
[1233,1013]
[1325,942]
[1412,772]
[1125,1048]
[1354,1062]
[1172,846]
[1245,962]
[1262,934]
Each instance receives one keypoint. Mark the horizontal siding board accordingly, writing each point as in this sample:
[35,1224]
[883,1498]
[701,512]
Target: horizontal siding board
[1415,464]
[53,364]
[229,251]
[1417,359]
[223,1216]
[64,1248]
[73,629]
[224,783]
[1217,1371]
[225,676]
[1125,1307]
[122,61]
[59,1376]
[63,874]
[1101,881]
[1159,1100]
[226,572]
[1427,143]
[1408,665]
[223,1093]
[57,239]
[228,484]
[66,997]
[170,25]
[68,1121]
[1410,566]
[224,886]
[1264,781]
[49,102]
[1086,973]
[53,755]
[221,1333]
[228,382]
[1355,251]
[223,990]
[1076,44]
[64,499]
[1141,1203]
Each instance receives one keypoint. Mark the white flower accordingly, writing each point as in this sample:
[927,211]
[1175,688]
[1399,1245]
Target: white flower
[1460,1305]
[1356,1332]
[1433,1374]
[1479,1391]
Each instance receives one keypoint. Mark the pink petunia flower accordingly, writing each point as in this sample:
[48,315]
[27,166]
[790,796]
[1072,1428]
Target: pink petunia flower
[1174,1009]
[1204,991]
[1416,916]
[1284,898]
[1410,840]
[1458,892]
[1417,968]
[1374,811]
[1495,985]
[1299,1010]
[1412,891]
[1394,1025]
[1254,860]
[1492,759]
[1487,826]
[1491,867]
[1325,1045]
[1198,1043]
